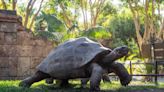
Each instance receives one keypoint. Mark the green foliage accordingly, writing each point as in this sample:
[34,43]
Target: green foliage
[122,27]
[50,27]
[123,33]
[109,9]
[118,25]
[53,23]
[21,10]
[134,50]
[106,15]
[8,4]
[97,33]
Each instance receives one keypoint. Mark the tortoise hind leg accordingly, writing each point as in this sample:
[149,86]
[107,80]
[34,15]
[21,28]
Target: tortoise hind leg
[84,82]
[50,80]
[38,76]
[63,83]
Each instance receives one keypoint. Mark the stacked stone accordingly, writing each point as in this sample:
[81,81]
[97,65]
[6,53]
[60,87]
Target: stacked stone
[20,51]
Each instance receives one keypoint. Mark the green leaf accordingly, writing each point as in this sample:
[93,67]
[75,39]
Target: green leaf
[97,33]
[54,24]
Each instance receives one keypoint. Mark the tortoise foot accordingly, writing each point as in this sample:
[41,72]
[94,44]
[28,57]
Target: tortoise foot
[64,84]
[126,81]
[24,84]
[49,81]
[83,86]
[97,89]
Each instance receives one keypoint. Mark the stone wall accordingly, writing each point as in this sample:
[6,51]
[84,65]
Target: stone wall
[20,51]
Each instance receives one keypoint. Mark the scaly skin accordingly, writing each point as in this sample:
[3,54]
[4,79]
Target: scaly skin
[122,73]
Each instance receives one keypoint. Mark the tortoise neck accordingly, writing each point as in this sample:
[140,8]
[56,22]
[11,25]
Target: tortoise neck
[110,58]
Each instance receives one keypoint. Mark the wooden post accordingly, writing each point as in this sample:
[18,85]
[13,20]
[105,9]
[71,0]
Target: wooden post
[131,68]
[153,58]
[156,72]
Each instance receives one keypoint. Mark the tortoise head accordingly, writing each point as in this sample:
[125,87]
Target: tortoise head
[120,52]
[116,54]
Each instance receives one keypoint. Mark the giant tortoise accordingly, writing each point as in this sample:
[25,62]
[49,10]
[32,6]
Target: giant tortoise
[78,58]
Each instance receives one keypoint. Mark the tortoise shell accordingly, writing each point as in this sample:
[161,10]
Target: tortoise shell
[72,54]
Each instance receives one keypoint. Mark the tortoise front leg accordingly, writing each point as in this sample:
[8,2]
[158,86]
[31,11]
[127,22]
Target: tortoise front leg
[122,73]
[38,76]
[97,72]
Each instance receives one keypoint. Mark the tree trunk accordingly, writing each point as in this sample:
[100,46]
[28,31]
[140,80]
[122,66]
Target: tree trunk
[137,26]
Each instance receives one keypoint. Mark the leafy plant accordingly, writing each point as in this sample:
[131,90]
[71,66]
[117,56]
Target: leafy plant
[97,33]
[49,26]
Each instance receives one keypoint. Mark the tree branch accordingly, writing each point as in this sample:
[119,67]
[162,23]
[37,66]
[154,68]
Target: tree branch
[14,3]
[65,17]
[159,12]
[153,3]
[4,4]
[100,4]
[146,20]
[137,25]
[31,5]
[91,11]
[82,8]
[28,10]
[27,13]
[86,17]
[35,15]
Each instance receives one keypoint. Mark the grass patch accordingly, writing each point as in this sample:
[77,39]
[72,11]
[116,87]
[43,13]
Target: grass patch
[12,86]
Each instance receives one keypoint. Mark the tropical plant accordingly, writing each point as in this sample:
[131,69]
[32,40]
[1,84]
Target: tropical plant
[97,33]
[50,27]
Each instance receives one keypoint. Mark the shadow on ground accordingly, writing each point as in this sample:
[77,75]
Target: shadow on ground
[76,88]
